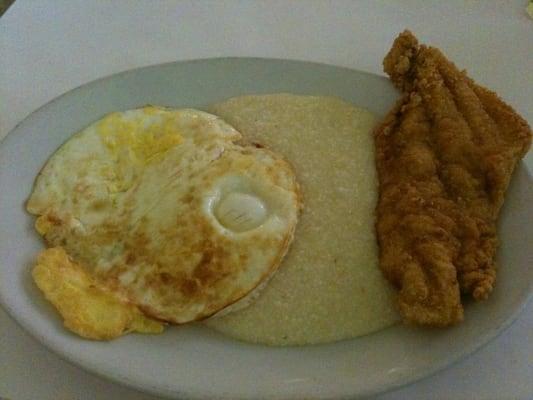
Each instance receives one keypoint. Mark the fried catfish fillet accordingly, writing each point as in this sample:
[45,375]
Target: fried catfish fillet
[445,154]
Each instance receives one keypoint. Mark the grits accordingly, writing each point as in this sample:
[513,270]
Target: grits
[329,286]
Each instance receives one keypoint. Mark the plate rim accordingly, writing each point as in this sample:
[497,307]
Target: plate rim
[168,63]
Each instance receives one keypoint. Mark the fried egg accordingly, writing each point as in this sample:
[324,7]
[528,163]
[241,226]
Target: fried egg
[165,212]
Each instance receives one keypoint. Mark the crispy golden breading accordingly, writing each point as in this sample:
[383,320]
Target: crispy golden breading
[87,308]
[444,155]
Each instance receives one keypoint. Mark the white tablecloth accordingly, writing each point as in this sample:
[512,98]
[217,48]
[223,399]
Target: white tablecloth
[48,47]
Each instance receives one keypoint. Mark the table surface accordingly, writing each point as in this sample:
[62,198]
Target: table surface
[48,47]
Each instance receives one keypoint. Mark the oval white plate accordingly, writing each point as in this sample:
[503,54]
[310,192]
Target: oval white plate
[192,361]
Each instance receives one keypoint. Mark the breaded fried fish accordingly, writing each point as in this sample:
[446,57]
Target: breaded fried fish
[445,155]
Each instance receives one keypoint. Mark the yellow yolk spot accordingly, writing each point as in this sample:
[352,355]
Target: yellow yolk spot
[87,309]
[135,141]
[139,139]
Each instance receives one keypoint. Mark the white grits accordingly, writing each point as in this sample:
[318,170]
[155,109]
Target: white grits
[329,286]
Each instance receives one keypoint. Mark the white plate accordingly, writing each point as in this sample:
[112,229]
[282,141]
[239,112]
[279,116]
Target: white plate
[192,361]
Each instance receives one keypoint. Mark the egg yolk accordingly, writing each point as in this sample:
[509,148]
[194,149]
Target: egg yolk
[241,212]
[138,139]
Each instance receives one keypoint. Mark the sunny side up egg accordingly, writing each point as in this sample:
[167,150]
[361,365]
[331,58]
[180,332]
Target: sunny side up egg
[159,213]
